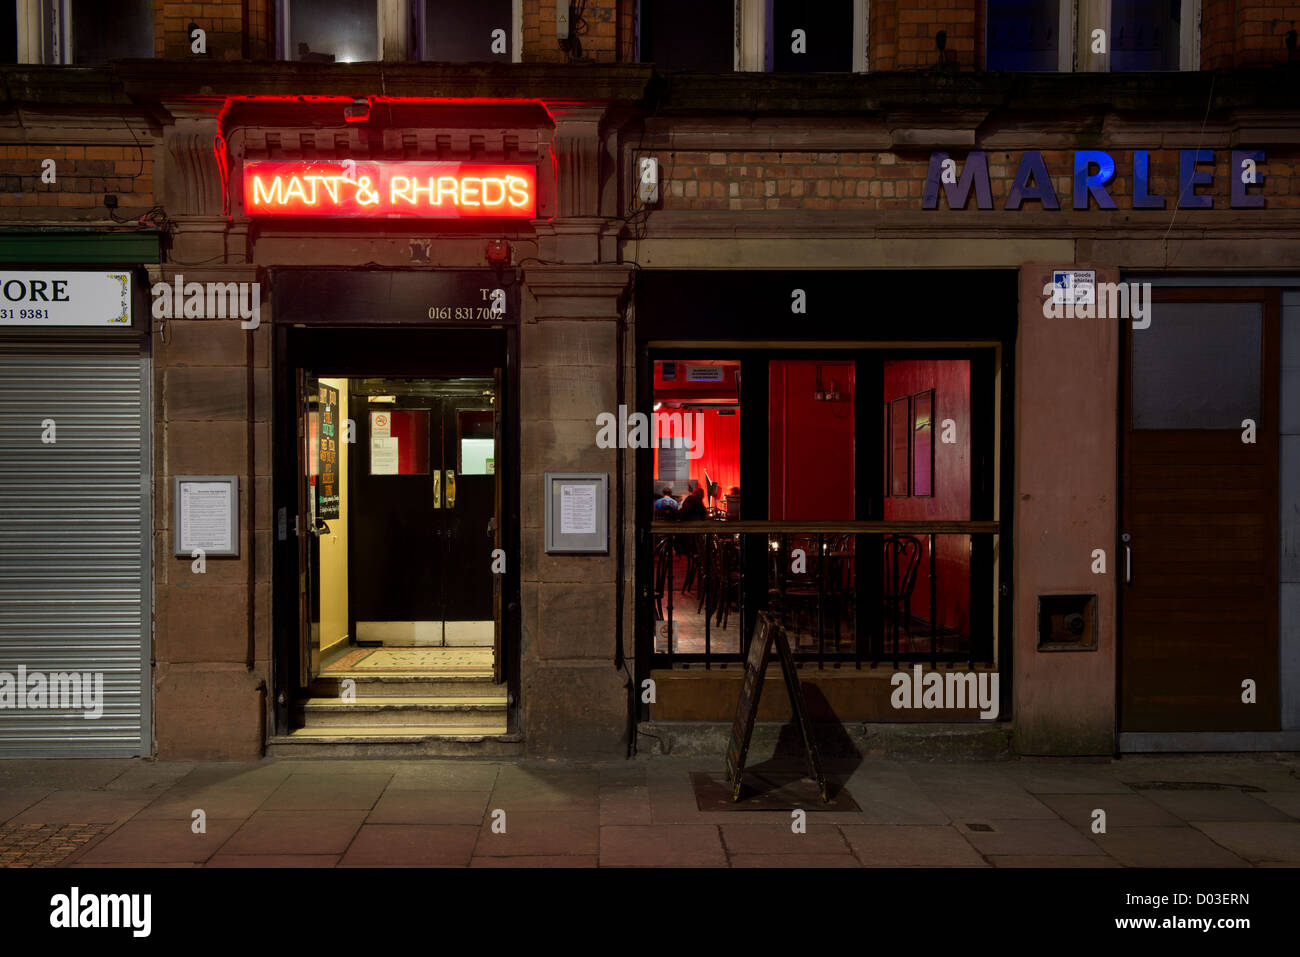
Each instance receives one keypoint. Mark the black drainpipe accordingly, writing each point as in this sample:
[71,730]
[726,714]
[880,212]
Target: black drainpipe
[250,355]
[619,660]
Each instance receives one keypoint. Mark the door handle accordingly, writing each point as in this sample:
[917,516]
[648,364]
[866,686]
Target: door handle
[492,526]
[1128,558]
[437,488]
[451,488]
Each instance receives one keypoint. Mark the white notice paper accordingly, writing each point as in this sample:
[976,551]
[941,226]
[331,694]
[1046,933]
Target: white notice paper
[383,456]
[577,509]
[205,516]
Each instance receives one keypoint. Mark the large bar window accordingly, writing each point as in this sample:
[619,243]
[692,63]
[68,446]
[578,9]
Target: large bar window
[696,426]
[859,570]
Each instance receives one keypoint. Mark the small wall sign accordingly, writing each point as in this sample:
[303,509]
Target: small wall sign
[205,515]
[577,512]
[65,298]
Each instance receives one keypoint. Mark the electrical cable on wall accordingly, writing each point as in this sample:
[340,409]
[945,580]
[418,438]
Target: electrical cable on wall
[578,27]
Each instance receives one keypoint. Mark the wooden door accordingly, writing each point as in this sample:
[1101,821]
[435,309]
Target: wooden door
[302,525]
[469,456]
[396,536]
[498,673]
[1198,549]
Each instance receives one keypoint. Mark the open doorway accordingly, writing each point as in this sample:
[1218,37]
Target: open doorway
[402,499]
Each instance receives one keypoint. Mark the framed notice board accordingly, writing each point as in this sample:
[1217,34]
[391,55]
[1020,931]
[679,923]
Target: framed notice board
[577,512]
[205,515]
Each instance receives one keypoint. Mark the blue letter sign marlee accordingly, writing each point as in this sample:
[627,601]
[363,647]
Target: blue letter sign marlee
[1093,169]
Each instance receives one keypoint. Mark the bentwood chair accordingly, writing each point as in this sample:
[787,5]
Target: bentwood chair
[663,555]
[902,559]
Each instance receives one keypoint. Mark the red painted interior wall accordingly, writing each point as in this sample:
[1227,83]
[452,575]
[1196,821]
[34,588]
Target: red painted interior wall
[411,429]
[721,447]
[721,426]
[810,442]
[950,380]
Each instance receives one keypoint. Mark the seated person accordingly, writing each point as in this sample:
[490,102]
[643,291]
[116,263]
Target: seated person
[666,505]
[693,509]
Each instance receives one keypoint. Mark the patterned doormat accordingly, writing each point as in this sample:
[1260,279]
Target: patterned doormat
[423,660]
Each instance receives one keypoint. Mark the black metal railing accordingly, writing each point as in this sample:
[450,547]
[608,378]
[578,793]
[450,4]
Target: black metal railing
[859,592]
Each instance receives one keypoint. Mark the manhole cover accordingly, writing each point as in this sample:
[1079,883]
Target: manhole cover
[1193,786]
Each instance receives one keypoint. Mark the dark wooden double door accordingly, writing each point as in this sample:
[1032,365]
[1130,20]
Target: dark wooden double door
[422,508]
[1198,550]
[421,537]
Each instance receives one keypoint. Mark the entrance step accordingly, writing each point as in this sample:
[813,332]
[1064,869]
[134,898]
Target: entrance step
[395,742]
[400,714]
[483,712]
[403,684]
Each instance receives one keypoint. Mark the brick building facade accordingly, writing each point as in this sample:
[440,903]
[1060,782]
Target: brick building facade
[773,188]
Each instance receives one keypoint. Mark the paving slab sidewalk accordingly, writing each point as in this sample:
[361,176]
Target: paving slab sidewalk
[1167,811]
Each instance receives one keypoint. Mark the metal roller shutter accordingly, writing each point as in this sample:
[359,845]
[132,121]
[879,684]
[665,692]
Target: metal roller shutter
[76,542]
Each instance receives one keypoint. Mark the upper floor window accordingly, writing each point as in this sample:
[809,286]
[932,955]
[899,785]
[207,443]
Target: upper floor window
[811,36]
[1145,34]
[348,31]
[472,31]
[1023,35]
[688,35]
[84,32]
[330,31]
[1114,35]
[9,33]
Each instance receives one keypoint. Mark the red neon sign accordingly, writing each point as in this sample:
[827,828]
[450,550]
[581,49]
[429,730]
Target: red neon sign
[390,190]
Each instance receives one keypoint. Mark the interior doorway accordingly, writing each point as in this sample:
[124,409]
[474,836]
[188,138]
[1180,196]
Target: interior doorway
[402,499]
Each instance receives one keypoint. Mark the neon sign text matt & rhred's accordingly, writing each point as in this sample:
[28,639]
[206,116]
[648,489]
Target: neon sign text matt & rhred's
[388,190]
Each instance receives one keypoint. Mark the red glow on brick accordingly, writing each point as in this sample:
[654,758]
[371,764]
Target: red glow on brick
[390,190]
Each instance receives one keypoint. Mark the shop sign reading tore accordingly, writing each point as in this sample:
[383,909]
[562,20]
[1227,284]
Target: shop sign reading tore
[65,298]
[390,190]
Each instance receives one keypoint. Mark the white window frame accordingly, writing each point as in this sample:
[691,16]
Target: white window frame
[32,30]
[1078,18]
[1097,13]
[45,32]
